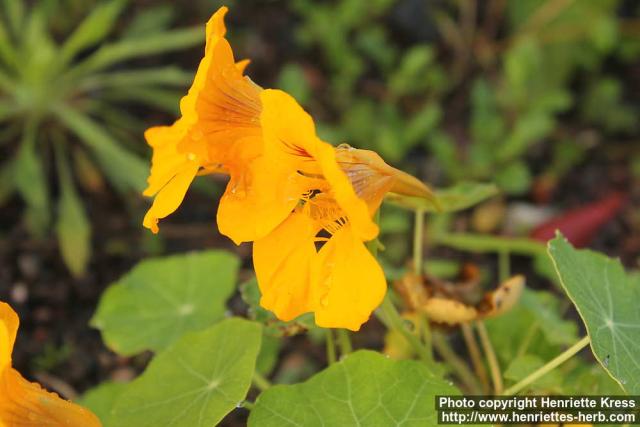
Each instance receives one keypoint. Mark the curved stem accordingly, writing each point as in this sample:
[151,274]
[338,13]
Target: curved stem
[476,357]
[418,240]
[559,360]
[494,367]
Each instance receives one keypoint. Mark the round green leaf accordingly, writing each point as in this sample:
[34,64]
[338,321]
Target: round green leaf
[161,299]
[196,381]
[365,388]
[607,300]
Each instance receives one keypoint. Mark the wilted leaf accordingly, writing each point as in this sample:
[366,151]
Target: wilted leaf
[459,197]
[607,301]
[196,381]
[364,388]
[161,299]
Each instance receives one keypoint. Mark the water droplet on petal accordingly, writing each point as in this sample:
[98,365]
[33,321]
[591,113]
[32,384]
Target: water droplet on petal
[324,301]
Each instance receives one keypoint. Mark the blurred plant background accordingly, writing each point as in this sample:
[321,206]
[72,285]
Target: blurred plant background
[539,97]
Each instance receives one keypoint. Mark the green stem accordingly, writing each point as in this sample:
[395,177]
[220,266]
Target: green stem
[331,347]
[504,265]
[494,367]
[559,360]
[526,341]
[396,322]
[248,405]
[459,366]
[476,357]
[344,341]
[418,255]
[418,240]
[260,381]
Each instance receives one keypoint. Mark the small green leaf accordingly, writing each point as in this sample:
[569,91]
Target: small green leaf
[514,178]
[111,54]
[161,299]
[165,76]
[196,381]
[153,19]
[7,51]
[100,400]
[607,300]
[15,14]
[456,198]
[544,307]
[522,366]
[590,379]
[364,388]
[488,244]
[93,29]
[72,226]
[166,99]
[112,157]
[30,181]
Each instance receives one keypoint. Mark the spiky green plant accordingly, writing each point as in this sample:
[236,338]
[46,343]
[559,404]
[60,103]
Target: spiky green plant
[65,103]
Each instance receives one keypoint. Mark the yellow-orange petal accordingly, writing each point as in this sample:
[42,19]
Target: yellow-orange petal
[282,261]
[166,162]
[347,282]
[290,140]
[23,403]
[215,31]
[228,107]
[170,196]
[8,328]
[257,199]
[215,26]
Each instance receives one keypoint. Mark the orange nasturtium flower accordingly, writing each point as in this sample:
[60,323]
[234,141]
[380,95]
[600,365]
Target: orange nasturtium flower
[332,194]
[23,403]
[289,192]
